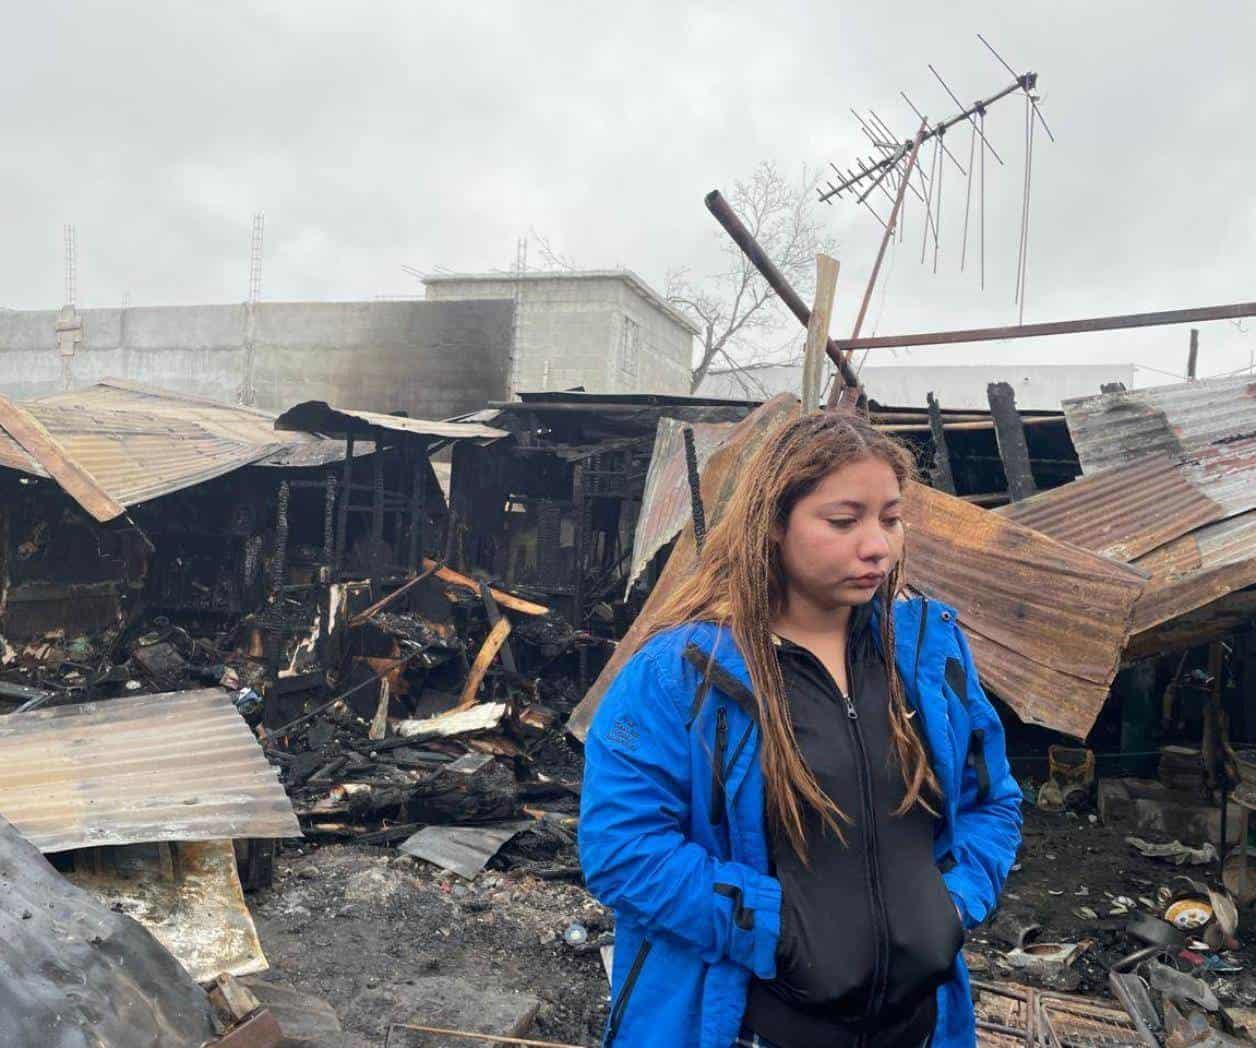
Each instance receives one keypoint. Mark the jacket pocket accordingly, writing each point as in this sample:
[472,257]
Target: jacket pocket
[625,994]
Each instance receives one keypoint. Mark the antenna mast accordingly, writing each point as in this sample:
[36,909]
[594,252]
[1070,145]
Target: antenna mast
[255,258]
[71,266]
[896,162]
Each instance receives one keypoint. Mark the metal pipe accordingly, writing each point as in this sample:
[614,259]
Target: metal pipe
[745,240]
[1056,327]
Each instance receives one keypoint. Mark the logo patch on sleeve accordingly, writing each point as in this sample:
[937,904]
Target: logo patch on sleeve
[624,734]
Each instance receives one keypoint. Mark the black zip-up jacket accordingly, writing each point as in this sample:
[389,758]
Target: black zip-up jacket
[868,929]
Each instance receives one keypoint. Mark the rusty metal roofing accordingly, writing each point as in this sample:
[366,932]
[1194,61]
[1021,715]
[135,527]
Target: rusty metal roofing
[1047,620]
[666,504]
[136,443]
[1123,512]
[53,458]
[317,416]
[1197,569]
[181,766]
[1209,426]
[1170,484]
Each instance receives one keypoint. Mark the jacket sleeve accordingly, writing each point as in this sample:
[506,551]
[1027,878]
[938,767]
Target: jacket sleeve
[988,822]
[635,812]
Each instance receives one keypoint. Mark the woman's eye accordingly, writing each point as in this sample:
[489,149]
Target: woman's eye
[892,522]
[843,522]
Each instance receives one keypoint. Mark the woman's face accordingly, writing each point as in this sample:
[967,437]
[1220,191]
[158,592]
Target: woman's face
[843,539]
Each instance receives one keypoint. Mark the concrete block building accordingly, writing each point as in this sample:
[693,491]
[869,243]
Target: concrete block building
[429,359]
[605,330]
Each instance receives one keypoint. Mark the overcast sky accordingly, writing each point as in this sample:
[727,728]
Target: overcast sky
[435,135]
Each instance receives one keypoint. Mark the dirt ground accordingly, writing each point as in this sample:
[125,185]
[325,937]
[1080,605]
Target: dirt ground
[357,925]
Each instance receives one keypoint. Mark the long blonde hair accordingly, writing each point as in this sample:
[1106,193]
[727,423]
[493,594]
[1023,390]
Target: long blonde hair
[739,583]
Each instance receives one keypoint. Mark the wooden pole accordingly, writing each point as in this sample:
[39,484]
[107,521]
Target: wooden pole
[818,331]
[469,1035]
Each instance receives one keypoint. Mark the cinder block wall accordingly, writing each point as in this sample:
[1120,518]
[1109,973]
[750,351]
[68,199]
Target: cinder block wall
[431,359]
[571,332]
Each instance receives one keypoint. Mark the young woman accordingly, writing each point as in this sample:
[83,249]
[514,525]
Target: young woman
[796,795]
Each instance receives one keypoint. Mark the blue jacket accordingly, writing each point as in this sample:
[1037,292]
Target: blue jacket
[697,913]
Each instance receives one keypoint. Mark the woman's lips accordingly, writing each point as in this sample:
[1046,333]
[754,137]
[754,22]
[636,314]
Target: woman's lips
[867,581]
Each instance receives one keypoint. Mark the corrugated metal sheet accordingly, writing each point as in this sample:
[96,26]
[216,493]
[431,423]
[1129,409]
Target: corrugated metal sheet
[1122,512]
[1197,569]
[138,443]
[1047,620]
[317,416]
[173,767]
[1180,420]
[1210,426]
[138,456]
[42,446]
[666,504]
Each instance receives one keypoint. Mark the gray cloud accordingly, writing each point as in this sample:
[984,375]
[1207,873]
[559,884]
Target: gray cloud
[435,135]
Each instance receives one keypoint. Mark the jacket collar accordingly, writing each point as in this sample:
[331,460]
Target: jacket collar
[914,619]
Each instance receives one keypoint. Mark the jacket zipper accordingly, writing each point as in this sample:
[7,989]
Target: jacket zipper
[630,982]
[880,978]
[880,919]
[717,766]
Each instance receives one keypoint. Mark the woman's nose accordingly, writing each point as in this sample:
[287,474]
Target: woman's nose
[874,545]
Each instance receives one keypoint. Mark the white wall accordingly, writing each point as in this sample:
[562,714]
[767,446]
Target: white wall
[571,332]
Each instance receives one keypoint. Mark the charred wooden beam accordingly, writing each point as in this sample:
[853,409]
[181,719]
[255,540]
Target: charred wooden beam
[1010,435]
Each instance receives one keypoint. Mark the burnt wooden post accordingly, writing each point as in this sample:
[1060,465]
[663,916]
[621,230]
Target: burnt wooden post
[329,520]
[418,508]
[1009,432]
[377,512]
[578,504]
[279,565]
[940,467]
[346,493]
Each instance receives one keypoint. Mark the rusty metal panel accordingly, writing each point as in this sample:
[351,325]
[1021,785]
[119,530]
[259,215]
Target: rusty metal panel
[58,461]
[1207,623]
[666,504]
[1197,570]
[180,766]
[317,416]
[1047,620]
[1123,512]
[138,443]
[1210,423]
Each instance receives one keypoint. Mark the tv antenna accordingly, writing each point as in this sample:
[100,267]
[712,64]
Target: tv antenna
[896,168]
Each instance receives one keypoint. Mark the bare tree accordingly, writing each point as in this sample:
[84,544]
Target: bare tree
[733,307]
